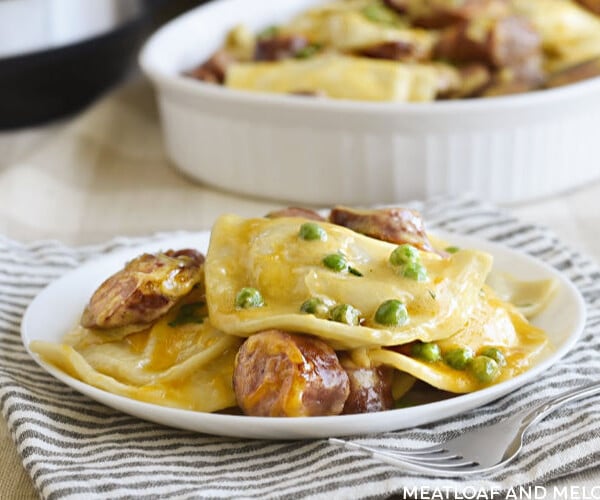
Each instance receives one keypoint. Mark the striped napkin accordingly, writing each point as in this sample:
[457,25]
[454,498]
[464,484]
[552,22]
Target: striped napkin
[74,447]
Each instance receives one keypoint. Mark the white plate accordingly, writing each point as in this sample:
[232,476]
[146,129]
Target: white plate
[58,307]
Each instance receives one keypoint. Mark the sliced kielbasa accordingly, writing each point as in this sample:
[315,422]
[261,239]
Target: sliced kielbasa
[370,388]
[397,50]
[279,47]
[499,43]
[395,225]
[281,374]
[145,289]
[440,14]
[591,5]
[213,70]
[575,73]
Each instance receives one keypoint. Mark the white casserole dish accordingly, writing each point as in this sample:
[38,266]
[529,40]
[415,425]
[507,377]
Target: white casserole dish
[317,151]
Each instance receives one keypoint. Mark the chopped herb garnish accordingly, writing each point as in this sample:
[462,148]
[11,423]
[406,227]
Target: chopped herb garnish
[354,271]
[189,313]
[452,249]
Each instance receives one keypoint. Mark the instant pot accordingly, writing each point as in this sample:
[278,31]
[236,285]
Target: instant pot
[56,56]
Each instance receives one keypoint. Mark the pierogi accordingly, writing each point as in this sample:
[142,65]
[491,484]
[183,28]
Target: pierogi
[321,302]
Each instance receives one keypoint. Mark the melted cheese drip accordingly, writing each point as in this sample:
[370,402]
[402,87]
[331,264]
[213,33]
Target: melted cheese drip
[338,77]
[493,323]
[291,395]
[188,366]
[208,389]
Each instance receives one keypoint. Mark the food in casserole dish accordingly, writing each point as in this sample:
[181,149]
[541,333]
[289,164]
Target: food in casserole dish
[413,50]
[297,315]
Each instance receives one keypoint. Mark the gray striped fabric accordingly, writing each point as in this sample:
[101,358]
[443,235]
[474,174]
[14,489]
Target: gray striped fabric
[76,448]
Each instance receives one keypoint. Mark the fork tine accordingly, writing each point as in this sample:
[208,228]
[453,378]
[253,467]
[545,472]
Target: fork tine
[437,458]
[408,453]
[430,450]
[452,463]
[423,451]
[438,454]
[445,459]
[447,469]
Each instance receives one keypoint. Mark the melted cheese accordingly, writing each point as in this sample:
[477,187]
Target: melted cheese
[186,366]
[339,77]
[268,254]
[347,30]
[570,33]
[186,358]
[208,389]
[492,323]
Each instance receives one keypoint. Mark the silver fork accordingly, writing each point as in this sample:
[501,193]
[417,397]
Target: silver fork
[476,451]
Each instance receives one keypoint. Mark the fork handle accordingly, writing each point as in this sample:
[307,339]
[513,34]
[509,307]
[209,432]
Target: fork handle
[548,407]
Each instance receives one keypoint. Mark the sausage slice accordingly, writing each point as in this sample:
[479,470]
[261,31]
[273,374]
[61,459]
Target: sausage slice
[279,47]
[281,374]
[396,50]
[439,14]
[576,73]
[592,5]
[214,69]
[395,225]
[370,388]
[499,43]
[144,290]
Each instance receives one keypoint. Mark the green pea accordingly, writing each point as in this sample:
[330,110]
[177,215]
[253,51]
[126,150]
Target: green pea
[345,313]
[485,369]
[268,32]
[311,231]
[404,254]
[248,297]
[427,351]
[314,306]
[391,313]
[308,51]
[459,358]
[336,262]
[452,249]
[496,354]
[379,14]
[415,271]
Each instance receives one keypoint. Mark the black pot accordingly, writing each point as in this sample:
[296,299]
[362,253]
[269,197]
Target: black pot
[40,86]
